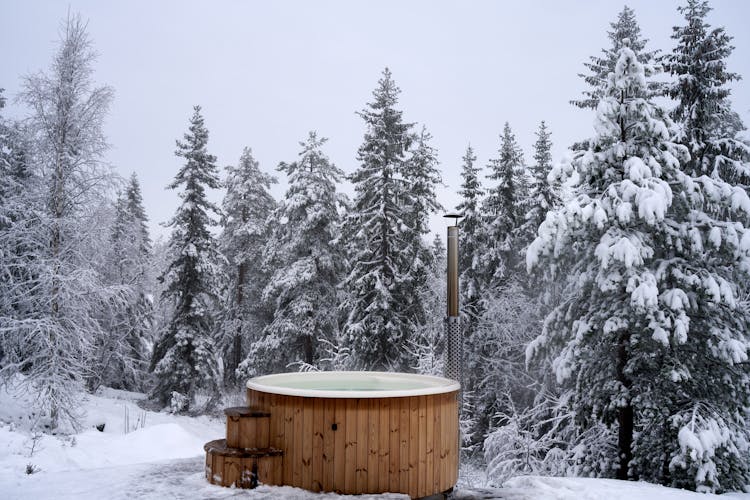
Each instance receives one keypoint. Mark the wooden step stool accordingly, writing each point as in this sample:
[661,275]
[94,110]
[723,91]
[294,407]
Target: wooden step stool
[244,459]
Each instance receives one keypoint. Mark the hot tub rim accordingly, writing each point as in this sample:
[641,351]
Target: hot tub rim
[447,386]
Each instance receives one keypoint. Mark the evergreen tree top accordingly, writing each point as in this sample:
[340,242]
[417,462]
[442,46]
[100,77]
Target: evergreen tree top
[246,204]
[423,175]
[312,161]
[506,170]
[386,94]
[471,190]
[542,195]
[248,175]
[470,186]
[387,137]
[625,27]
[311,196]
[543,147]
[709,126]
[135,199]
[699,60]
[200,165]
[511,155]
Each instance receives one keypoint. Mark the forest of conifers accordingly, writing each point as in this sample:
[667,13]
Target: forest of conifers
[605,298]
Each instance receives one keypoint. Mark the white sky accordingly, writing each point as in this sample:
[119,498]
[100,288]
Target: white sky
[268,72]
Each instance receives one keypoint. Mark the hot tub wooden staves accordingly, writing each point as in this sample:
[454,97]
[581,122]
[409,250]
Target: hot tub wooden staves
[365,445]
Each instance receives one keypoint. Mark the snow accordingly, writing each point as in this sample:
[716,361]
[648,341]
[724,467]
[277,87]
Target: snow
[558,488]
[163,459]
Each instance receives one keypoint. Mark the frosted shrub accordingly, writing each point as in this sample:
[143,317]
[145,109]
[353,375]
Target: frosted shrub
[178,402]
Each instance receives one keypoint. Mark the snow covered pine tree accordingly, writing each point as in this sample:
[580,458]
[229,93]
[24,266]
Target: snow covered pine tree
[246,228]
[184,359]
[378,324]
[624,28]
[503,213]
[121,355]
[543,196]
[308,265]
[649,337]
[471,195]
[709,127]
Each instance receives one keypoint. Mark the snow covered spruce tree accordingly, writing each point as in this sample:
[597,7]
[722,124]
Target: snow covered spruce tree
[427,346]
[470,280]
[649,338]
[543,196]
[421,178]
[184,360]
[502,211]
[121,356]
[49,336]
[304,254]
[709,126]
[247,207]
[379,325]
[18,186]
[624,28]
[496,264]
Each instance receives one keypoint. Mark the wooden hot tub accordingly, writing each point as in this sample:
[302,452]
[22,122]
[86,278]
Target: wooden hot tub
[362,432]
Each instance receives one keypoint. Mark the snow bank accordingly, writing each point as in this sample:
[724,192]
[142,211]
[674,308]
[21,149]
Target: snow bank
[563,488]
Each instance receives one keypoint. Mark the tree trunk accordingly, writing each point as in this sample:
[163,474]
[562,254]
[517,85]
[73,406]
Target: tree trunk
[308,349]
[625,415]
[235,358]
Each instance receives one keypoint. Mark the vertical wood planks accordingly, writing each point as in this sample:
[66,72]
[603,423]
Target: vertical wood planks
[288,445]
[350,468]
[276,424]
[413,444]
[307,443]
[262,433]
[339,446]
[422,447]
[297,444]
[363,431]
[403,452]
[400,444]
[373,424]
[318,455]
[393,446]
[383,440]
[430,444]
[232,471]
[445,440]
[436,442]
[328,444]
[233,430]
[456,434]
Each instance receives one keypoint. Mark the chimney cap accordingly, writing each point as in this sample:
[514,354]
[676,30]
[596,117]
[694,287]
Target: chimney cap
[453,216]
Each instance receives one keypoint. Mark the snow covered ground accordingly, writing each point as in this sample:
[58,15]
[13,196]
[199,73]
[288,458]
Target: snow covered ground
[148,455]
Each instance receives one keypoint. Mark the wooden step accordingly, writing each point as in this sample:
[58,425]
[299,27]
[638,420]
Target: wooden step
[242,468]
[247,428]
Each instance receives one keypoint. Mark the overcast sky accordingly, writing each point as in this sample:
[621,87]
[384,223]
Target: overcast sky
[268,72]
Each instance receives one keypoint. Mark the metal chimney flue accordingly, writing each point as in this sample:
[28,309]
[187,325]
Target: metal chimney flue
[453,340]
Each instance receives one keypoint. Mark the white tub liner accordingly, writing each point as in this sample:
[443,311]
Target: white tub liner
[352,384]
